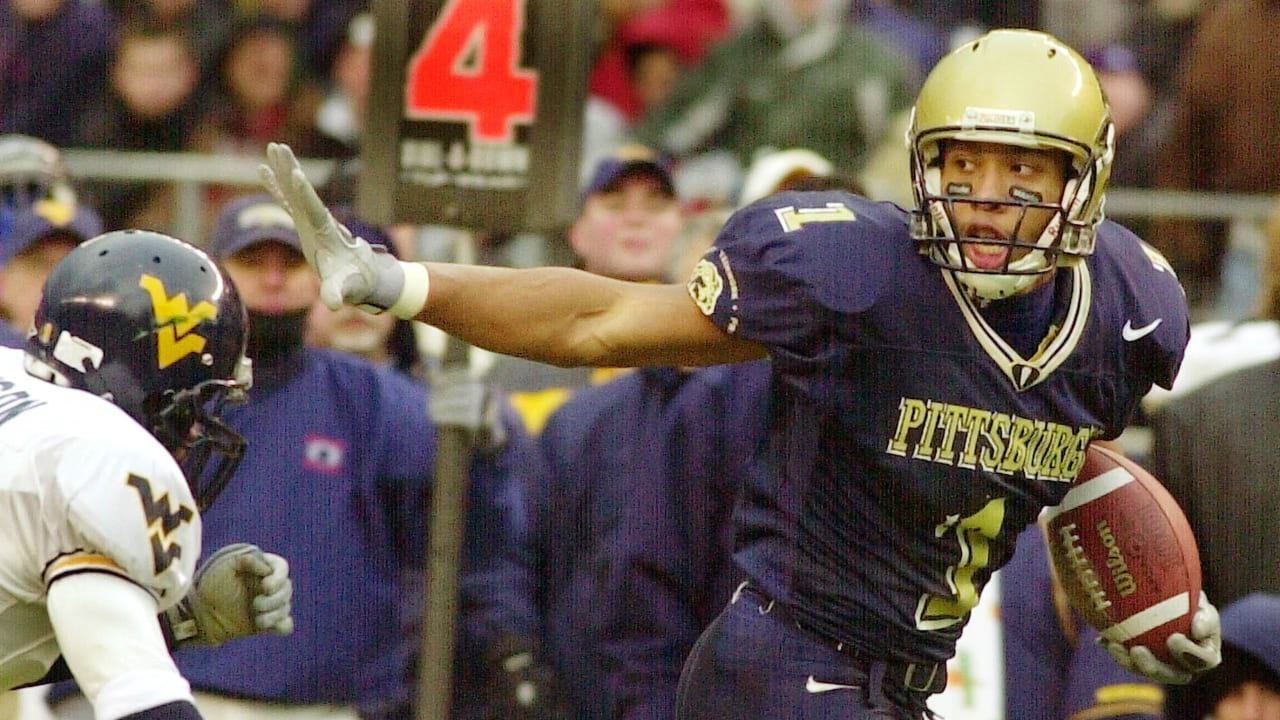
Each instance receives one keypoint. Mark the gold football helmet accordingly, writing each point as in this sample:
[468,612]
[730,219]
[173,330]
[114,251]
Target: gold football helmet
[1015,87]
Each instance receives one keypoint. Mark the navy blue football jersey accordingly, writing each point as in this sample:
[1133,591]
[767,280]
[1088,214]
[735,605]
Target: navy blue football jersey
[909,440]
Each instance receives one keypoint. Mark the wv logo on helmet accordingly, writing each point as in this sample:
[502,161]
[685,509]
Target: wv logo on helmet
[175,321]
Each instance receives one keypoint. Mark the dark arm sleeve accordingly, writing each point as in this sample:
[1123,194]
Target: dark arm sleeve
[178,710]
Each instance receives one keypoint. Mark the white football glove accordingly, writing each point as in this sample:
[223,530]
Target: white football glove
[352,271]
[238,591]
[1192,655]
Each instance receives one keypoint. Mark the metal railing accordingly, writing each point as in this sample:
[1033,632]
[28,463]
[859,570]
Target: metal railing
[189,173]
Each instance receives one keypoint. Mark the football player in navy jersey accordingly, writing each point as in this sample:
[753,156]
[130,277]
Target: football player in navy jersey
[937,375]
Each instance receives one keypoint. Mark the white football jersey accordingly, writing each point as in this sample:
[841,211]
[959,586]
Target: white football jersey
[82,488]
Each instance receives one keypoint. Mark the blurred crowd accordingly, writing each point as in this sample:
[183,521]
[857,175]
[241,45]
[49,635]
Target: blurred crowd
[712,83]
[584,593]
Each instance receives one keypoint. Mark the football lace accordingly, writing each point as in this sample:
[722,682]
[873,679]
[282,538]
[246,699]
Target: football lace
[1084,573]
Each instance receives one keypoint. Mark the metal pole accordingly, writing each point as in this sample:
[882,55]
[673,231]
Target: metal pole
[457,402]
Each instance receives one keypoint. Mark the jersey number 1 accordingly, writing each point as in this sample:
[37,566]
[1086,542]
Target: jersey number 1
[973,533]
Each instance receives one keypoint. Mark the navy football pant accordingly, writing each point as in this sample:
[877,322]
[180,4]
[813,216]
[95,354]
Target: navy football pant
[750,665]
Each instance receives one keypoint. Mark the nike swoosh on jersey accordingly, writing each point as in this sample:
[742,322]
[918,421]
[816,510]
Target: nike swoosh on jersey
[1131,333]
[815,686]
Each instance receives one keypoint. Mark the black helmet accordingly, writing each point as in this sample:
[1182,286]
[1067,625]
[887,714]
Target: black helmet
[153,325]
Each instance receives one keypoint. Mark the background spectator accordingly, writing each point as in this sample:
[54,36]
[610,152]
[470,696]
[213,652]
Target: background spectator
[320,24]
[203,21]
[647,44]
[261,95]
[632,539]
[682,28]
[628,228]
[30,170]
[150,104]
[1220,138]
[1247,684]
[339,119]
[1159,36]
[42,235]
[801,75]
[32,174]
[54,56]
[1139,122]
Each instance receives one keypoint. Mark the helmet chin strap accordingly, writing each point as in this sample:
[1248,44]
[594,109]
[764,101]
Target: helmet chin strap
[986,286]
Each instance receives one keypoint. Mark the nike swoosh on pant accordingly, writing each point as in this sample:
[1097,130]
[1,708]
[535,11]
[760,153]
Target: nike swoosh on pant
[814,685]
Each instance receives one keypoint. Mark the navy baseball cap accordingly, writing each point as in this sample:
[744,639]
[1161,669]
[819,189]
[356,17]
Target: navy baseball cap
[249,220]
[46,217]
[627,161]
[1252,624]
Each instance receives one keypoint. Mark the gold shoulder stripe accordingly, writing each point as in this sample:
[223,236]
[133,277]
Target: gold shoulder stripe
[79,562]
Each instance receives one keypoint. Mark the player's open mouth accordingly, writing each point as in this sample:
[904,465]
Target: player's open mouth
[986,256]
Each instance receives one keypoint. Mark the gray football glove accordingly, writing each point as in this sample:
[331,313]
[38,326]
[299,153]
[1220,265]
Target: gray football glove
[352,271]
[238,591]
[1192,655]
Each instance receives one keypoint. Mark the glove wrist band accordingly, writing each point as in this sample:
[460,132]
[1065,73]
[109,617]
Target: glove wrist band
[179,623]
[413,296]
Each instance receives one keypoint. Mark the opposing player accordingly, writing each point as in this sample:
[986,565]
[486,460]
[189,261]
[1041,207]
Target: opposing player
[937,375]
[110,446]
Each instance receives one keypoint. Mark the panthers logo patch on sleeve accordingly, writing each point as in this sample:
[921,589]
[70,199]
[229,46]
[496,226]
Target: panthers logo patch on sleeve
[705,286]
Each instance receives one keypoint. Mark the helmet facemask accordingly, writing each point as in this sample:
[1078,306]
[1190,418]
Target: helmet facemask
[189,423]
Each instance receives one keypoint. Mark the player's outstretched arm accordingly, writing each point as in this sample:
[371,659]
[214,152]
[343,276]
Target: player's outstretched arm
[556,315]
[1192,655]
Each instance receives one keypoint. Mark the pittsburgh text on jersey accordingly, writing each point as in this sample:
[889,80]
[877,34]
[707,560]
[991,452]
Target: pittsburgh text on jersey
[970,437]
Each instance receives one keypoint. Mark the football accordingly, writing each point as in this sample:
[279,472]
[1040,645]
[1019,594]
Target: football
[1124,552]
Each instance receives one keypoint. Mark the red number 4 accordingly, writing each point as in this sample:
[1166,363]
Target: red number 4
[466,69]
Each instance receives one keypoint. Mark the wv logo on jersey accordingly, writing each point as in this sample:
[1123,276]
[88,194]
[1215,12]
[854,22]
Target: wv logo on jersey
[175,322]
[161,523]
